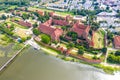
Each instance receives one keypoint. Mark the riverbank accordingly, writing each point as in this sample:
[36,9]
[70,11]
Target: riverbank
[109,69]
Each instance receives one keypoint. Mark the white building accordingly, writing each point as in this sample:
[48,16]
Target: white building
[107,14]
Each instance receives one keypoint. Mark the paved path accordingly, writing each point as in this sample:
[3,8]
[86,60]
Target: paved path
[33,43]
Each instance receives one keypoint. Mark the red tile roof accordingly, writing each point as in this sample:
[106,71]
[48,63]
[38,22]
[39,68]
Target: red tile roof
[53,15]
[47,28]
[23,23]
[81,29]
[117,42]
[56,34]
[60,22]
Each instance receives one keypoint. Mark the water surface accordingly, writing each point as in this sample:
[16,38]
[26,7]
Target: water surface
[35,65]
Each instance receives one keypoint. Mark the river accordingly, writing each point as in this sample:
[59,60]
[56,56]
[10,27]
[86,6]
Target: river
[35,65]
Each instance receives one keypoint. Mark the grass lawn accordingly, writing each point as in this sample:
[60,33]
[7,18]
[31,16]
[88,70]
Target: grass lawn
[16,47]
[2,54]
[63,45]
[74,51]
[12,7]
[49,51]
[16,18]
[68,58]
[2,12]
[98,39]
[4,39]
[19,30]
[88,56]
[15,24]
[111,51]
[22,12]
[6,52]
[48,10]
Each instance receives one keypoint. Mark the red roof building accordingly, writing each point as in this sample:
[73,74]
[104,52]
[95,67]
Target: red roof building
[23,23]
[60,22]
[117,42]
[47,28]
[81,29]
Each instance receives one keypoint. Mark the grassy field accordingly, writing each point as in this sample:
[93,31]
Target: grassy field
[19,30]
[48,10]
[12,7]
[15,24]
[98,39]
[4,39]
[6,52]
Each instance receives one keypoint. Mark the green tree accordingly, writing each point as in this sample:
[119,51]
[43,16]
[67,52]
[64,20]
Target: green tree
[35,25]
[113,59]
[64,27]
[25,16]
[107,8]
[118,15]
[73,35]
[110,36]
[95,57]
[104,50]
[5,30]
[3,17]
[36,32]
[83,1]
[117,53]
[12,27]
[80,51]
[45,38]
[23,39]
[70,45]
